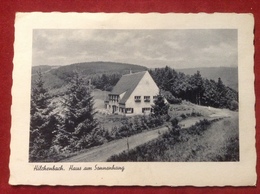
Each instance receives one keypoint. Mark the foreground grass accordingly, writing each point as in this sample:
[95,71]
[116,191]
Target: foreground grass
[205,141]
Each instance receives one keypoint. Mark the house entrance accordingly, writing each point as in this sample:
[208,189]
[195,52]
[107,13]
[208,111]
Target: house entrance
[114,109]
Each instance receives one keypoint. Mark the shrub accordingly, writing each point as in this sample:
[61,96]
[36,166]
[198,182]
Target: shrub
[232,152]
[174,122]
[233,105]
[183,116]
[170,98]
[196,114]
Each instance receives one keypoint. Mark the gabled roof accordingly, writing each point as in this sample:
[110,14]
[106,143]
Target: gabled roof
[127,84]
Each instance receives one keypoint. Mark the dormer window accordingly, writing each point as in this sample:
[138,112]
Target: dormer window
[146,98]
[137,98]
[113,98]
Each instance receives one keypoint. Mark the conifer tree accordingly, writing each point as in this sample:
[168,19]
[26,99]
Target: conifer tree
[79,111]
[221,89]
[196,87]
[43,124]
[160,108]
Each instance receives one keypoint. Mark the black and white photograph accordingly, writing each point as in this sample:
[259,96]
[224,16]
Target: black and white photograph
[126,99]
[134,95]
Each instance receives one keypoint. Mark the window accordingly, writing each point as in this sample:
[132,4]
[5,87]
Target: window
[154,98]
[113,98]
[137,98]
[129,110]
[146,98]
[144,110]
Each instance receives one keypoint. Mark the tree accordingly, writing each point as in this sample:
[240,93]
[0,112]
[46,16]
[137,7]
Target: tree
[105,81]
[160,107]
[209,97]
[43,123]
[79,111]
[221,90]
[168,78]
[197,87]
[170,98]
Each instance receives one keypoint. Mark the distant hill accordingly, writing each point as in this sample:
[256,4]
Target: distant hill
[229,75]
[54,76]
[41,68]
[90,68]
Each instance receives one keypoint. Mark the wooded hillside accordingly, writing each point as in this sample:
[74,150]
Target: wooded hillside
[56,77]
[195,88]
[228,75]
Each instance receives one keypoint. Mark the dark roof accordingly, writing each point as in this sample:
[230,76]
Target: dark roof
[127,84]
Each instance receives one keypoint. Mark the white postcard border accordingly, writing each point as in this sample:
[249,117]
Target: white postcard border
[242,173]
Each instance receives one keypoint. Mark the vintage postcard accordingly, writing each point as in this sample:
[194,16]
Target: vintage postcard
[133,99]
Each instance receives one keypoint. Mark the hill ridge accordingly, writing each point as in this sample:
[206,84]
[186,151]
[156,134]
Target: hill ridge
[55,76]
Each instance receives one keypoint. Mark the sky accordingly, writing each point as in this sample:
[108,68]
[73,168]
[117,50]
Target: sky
[175,48]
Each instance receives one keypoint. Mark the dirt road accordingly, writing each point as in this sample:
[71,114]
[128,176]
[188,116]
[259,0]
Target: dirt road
[103,152]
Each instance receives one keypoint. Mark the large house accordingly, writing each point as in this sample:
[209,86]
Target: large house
[133,94]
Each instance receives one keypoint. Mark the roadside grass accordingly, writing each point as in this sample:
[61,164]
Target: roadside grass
[220,142]
[215,140]
[187,108]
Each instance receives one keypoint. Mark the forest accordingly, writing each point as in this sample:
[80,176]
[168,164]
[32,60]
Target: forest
[195,88]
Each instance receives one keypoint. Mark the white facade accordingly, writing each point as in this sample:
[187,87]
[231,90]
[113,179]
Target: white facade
[136,99]
[146,88]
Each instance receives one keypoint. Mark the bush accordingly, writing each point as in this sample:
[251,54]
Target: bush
[135,125]
[196,114]
[199,127]
[183,116]
[232,153]
[170,98]
[233,105]
[174,122]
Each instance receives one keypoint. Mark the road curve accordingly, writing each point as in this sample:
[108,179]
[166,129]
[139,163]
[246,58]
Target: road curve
[103,152]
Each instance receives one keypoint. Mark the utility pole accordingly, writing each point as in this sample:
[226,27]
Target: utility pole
[127,143]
